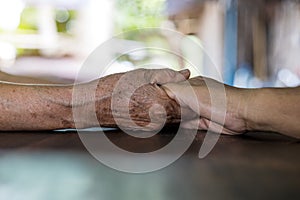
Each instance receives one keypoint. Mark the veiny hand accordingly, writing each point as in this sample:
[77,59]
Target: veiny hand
[132,100]
[161,76]
[234,102]
[137,97]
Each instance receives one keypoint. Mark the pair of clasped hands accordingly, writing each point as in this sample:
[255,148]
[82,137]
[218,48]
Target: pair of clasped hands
[178,86]
[230,110]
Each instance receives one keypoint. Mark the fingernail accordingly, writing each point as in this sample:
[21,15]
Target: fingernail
[185,72]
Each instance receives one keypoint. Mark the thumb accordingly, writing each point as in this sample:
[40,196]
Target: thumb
[175,91]
[169,88]
[184,94]
[185,73]
[162,76]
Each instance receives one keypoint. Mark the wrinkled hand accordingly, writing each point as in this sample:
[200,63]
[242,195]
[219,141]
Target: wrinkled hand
[131,100]
[202,105]
[134,100]
[161,76]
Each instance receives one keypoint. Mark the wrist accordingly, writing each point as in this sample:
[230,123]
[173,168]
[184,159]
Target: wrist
[66,103]
[59,101]
[256,109]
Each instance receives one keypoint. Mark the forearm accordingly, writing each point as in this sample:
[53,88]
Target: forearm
[35,107]
[275,110]
[49,107]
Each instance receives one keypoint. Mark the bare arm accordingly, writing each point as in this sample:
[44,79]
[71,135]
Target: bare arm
[274,109]
[37,107]
[266,109]
[28,107]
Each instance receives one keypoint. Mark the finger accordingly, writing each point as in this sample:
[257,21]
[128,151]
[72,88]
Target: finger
[179,89]
[179,93]
[186,73]
[197,123]
[192,124]
[206,124]
[169,89]
[162,76]
[219,128]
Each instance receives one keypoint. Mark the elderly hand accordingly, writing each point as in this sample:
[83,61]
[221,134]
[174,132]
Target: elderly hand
[131,100]
[137,99]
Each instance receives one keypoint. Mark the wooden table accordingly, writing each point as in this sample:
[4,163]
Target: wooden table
[251,166]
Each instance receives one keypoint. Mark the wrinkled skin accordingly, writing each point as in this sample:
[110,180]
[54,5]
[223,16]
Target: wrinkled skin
[139,101]
[48,107]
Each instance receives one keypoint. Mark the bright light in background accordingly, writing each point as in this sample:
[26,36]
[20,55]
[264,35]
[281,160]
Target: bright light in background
[7,54]
[62,15]
[10,12]
[288,78]
[7,51]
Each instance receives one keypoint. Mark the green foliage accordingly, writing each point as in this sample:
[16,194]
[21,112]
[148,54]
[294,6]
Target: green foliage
[62,26]
[29,19]
[133,14]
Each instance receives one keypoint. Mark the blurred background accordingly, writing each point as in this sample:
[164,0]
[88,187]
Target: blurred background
[245,43]
[249,43]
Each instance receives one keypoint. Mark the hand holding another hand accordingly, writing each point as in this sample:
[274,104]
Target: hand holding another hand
[227,101]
